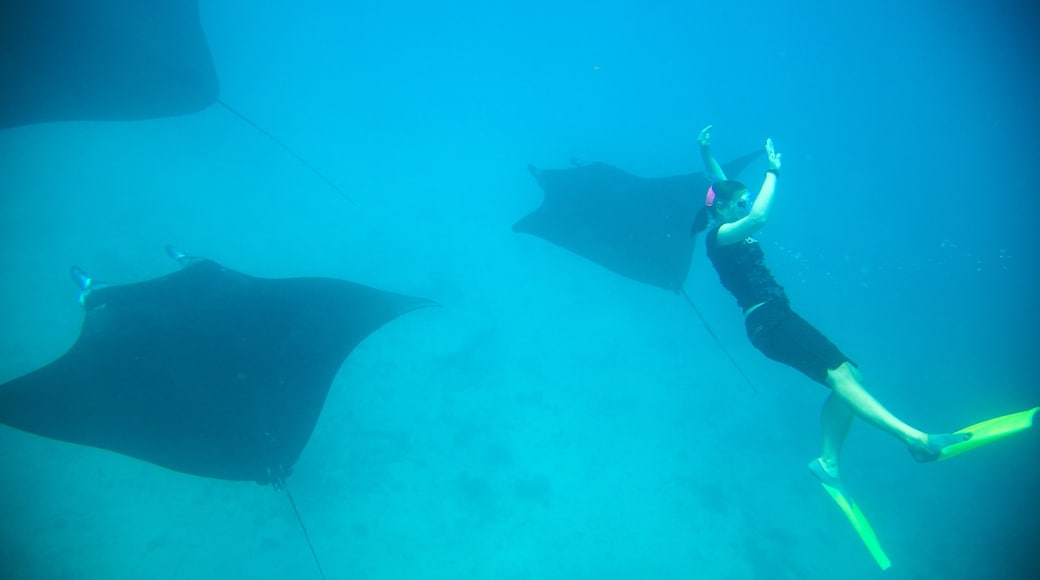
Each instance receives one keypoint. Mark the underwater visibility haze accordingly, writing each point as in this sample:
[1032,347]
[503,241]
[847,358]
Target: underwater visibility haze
[553,419]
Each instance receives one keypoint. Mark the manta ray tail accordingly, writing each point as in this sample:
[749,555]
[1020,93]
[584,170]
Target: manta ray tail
[286,148]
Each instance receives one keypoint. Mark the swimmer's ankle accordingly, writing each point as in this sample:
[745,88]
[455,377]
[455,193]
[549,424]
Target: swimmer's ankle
[829,464]
[933,445]
[826,473]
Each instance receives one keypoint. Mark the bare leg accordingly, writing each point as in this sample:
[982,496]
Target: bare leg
[847,400]
[846,384]
[848,389]
[835,418]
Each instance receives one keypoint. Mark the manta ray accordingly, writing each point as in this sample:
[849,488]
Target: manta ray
[206,370]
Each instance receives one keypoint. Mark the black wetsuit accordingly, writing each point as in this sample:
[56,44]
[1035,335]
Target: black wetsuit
[773,327]
[742,270]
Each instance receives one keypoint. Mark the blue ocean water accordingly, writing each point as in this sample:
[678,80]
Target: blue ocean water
[554,420]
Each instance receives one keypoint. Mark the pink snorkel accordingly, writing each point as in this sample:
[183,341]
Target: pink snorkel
[709,200]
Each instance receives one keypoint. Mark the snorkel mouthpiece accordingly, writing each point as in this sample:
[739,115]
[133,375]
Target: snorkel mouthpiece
[709,200]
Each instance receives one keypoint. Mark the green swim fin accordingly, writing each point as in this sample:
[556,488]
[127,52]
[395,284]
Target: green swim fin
[989,431]
[859,522]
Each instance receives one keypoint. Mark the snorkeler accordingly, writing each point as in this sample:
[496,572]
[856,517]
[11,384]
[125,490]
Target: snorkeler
[779,332]
[782,335]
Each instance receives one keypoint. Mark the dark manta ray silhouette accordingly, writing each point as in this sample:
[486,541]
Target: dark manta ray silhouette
[637,227]
[105,60]
[206,370]
[108,60]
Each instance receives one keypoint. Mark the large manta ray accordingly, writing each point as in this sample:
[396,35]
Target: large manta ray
[637,227]
[205,371]
[102,60]
[108,60]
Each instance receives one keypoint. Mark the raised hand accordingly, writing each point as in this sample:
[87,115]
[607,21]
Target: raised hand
[771,155]
[704,137]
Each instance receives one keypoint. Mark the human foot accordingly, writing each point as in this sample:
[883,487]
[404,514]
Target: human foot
[827,474]
[932,447]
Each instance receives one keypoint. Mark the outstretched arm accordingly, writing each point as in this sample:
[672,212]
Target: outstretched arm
[712,167]
[763,205]
[732,233]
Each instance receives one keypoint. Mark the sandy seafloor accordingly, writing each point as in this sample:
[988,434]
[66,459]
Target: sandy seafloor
[552,420]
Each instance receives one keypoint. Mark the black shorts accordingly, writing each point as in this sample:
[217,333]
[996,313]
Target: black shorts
[785,337]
